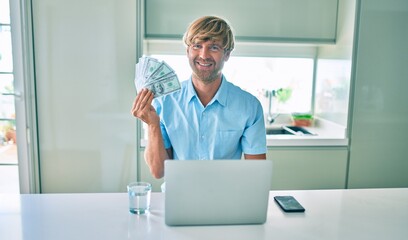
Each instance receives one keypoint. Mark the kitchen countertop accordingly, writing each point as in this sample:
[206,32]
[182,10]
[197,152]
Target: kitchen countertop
[330,214]
[325,133]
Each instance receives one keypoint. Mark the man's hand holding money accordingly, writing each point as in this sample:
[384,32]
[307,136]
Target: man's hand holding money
[143,109]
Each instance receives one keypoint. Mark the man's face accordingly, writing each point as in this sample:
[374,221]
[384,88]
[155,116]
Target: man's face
[207,60]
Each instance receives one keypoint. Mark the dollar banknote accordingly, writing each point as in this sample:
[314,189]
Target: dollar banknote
[155,75]
[164,86]
[150,66]
[161,72]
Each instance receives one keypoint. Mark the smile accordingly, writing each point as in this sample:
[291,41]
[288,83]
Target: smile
[204,64]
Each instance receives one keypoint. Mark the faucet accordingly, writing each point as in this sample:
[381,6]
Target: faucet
[270,94]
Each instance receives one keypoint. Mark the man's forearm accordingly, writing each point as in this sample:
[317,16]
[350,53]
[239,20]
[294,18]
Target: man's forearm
[155,153]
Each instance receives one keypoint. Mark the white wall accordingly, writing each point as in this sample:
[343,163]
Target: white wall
[84,61]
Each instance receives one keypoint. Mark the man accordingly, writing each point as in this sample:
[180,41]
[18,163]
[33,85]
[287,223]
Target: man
[209,118]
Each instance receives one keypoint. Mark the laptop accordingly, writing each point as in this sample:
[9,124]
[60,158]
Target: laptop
[217,192]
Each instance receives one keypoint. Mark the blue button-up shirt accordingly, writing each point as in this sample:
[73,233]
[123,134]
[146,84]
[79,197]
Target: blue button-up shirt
[231,123]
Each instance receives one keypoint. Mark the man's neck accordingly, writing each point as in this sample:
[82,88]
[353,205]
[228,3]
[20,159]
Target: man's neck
[206,91]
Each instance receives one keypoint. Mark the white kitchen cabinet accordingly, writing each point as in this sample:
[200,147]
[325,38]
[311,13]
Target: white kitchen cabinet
[293,168]
[308,168]
[378,150]
[84,56]
[256,20]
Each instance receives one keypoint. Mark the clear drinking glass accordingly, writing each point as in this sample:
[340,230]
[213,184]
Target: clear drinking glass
[139,197]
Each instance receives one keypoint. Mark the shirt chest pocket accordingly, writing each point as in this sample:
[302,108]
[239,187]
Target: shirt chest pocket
[228,142]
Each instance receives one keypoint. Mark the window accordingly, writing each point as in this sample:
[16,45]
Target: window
[7,110]
[289,79]
[9,179]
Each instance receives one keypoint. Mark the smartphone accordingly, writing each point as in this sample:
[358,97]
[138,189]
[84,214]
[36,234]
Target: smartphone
[289,204]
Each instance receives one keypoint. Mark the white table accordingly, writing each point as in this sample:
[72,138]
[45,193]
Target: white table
[330,214]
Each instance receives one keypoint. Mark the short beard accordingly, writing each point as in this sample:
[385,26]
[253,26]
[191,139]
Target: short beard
[205,77]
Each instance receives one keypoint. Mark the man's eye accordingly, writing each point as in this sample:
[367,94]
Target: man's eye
[196,46]
[215,48]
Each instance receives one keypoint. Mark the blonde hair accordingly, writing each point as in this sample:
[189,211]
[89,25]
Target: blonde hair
[210,28]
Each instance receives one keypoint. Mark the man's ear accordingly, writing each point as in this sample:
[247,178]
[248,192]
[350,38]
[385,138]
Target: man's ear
[227,55]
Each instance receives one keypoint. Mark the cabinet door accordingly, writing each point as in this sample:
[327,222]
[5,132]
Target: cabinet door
[308,168]
[258,20]
[378,155]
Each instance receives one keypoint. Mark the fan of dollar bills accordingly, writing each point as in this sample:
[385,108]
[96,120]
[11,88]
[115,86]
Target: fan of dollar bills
[156,76]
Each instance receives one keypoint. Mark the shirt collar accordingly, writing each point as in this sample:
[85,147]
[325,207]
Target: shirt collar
[191,91]
[220,96]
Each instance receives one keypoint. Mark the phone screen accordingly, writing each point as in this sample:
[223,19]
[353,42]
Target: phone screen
[289,204]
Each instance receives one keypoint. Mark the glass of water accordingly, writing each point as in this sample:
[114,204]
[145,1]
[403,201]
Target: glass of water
[139,197]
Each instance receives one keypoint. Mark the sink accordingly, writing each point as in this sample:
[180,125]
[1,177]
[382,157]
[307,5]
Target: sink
[277,131]
[288,130]
[298,130]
